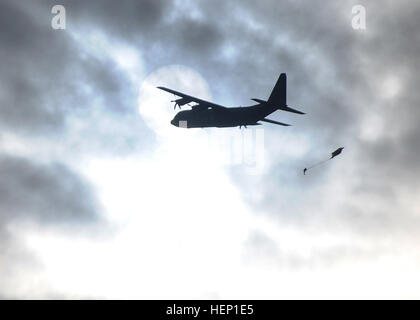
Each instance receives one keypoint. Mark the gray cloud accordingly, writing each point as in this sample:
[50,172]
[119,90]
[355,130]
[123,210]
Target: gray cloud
[46,196]
[45,77]
[261,249]
[25,77]
[45,193]
[129,20]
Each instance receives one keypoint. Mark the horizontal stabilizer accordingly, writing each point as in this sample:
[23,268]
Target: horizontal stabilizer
[288,109]
[275,122]
[258,100]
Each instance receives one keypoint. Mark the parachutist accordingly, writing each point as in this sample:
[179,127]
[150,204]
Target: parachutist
[333,154]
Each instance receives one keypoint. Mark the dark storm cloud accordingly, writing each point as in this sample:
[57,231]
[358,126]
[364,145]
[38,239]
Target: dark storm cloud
[48,79]
[129,20]
[44,193]
[44,74]
[199,38]
[25,78]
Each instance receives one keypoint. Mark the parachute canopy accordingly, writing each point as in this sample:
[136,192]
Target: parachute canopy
[336,152]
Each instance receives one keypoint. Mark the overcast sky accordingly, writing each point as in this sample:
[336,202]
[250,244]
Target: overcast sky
[100,197]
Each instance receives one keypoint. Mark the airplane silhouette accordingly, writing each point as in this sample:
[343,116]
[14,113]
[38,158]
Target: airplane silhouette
[208,114]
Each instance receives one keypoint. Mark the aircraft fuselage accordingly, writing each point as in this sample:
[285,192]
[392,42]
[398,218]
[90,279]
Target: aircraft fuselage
[211,117]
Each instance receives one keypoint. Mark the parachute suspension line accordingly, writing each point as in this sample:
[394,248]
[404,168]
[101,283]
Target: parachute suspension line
[315,165]
[319,163]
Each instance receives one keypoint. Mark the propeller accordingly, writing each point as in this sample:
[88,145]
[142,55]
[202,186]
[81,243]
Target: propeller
[176,104]
[180,102]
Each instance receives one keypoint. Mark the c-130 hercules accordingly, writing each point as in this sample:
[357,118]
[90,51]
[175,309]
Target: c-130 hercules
[207,114]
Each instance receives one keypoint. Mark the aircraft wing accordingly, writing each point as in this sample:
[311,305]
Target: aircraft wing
[275,122]
[185,98]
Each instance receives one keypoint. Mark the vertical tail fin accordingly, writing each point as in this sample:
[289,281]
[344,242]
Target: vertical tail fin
[277,99]
[278,95]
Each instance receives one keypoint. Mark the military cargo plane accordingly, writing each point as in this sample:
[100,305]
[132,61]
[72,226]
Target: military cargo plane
[208,114]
